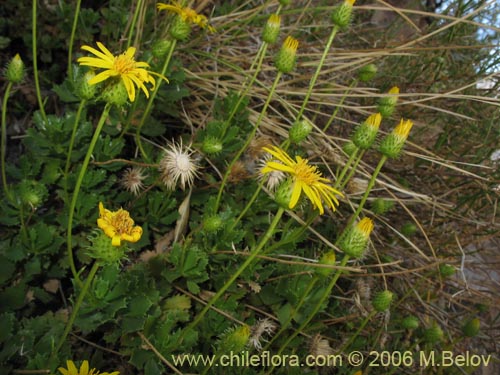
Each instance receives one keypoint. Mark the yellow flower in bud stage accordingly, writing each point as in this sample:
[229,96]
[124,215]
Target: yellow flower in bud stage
[118,225]
[285,59]
[387,104]
[187,14]
[271,29]
[342,14]
[84,370]
[365,134]
[131,72]
[353,240]
[305,178]
[393,143]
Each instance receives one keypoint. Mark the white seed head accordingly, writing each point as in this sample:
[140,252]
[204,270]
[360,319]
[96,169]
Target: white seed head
[132,180]
[178,166]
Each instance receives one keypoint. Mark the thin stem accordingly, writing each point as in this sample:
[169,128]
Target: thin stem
[79,181]
[323,298]
[316,73]
[249,139]
[360,328]
[368,189]
[248,205]
[353,169]
[76,308]
[267,236]
[334,114]
[35,63]
[151,99]
[72,38]
[134,21]
[346,167]
[71,144]
[4,140]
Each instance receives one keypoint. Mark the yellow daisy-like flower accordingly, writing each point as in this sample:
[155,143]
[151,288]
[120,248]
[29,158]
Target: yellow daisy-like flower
[403,129]
[118,225]
[84,370]
[306,178]
[132,73]
[187,14]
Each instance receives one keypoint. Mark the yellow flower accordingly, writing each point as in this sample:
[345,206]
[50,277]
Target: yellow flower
[305,178]
[403,129]
[131,72]
[187,14]
[84,370]
[118,225]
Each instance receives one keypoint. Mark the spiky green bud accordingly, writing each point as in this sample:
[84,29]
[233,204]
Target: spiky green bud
[381,206]
[180,29]
[213,223]
[328,258]
[367,72]
[177,302]
[433,334]
[393,143]
[410,322]
[234,340]
[387,104]
[83,88]
[115,94]
[349,148]
[409,229]
[365,134]
[283,194]
[211,145]
[342,14]
[161,47]
[353,240]
[382,300]
[271,29]
[446,270]
[299,131]
[471,328]
[32,193]
[287,55]
[102,249]
[15,70]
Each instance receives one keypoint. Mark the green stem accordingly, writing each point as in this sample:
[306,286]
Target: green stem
[76,308]
[318,306]
[267,236]
[249,139]
[4,140]
[248,205]
[35,64]
[368,189]
[353,337]
[353,169]
[346,167]
[71,144]
[134,21]
[296,309]
[151,99]
[316,73]
[79,181]
[334,114]
[72,38]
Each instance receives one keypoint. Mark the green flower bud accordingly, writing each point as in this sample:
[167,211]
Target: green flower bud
[116,94]
[15,70]
[367,72]
[434,334]
[234,340]
[353,241]
[213,223]
[381,206]
[284,2]
[341,16]
[161,47]
[180,29]
[299,131]
[387,104]
[211,145]
[271,29]
[328,258]
[382,300]
[102,249]
[349,148]
[286,57]
[446,270]
[409,229]
[32,193]
[83,88]
[471,328]
[410,322]
[283,194]
[365,134]
[393,143]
